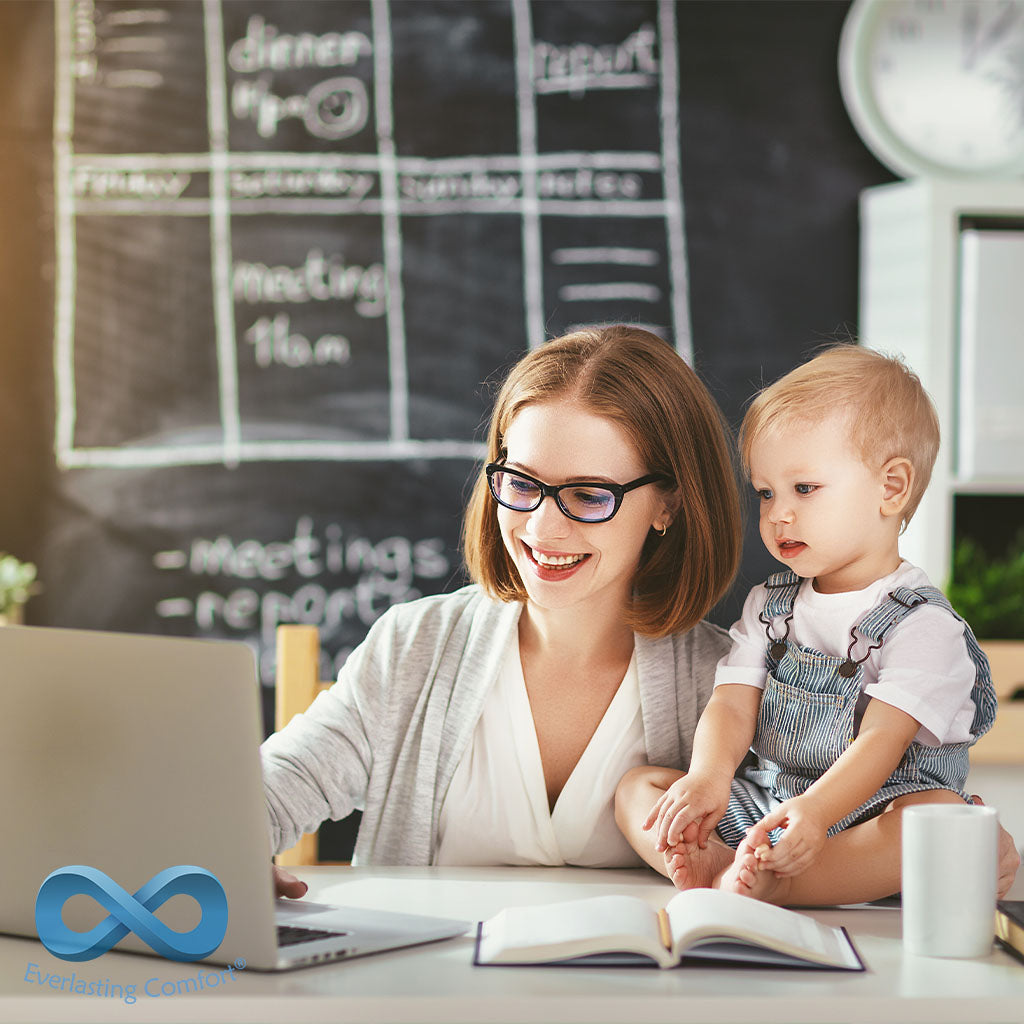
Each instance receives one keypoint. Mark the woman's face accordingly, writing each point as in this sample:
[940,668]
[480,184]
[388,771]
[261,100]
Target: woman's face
[564,563]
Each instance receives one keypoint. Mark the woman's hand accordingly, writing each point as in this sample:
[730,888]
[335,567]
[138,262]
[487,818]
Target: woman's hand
[690,800]
[1009,858]
[288,885]
[1009,861]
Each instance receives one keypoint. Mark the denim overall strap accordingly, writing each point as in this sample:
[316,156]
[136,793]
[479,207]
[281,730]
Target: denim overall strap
[782,588]
[924,767]
[898,605]
[901,602]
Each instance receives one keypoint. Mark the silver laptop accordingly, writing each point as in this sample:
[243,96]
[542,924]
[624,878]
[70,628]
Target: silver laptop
[133,754]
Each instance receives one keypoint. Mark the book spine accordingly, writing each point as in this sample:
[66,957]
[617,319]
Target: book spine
[1010,934]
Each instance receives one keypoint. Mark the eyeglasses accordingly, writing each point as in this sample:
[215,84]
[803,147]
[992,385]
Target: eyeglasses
[583,501]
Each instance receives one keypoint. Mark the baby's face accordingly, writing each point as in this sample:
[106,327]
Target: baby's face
[821,505]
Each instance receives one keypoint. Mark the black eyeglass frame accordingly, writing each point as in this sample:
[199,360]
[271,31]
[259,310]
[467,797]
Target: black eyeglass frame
[618,491]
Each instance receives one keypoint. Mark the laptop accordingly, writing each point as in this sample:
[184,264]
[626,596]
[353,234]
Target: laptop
[133,754]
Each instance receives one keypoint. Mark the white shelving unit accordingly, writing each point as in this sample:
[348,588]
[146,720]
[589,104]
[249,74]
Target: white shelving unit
[928,291]
[910,303]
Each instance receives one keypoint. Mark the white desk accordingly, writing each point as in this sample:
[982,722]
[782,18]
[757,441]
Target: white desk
[437,983]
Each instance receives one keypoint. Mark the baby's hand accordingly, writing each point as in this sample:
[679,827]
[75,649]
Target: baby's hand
[795,852]
[688,810]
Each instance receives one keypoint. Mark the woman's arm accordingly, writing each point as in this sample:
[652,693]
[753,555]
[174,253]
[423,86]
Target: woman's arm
[318,766]
[382,740]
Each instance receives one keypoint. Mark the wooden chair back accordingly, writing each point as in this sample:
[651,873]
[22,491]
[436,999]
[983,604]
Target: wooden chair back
[297,681]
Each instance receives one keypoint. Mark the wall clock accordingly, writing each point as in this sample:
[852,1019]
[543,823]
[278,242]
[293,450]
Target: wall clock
[936,87]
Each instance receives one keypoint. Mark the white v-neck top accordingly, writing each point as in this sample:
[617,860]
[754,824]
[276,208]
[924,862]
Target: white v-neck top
[496,808]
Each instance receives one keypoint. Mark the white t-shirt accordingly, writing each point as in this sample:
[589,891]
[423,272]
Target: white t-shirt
[496,808]
[922,667]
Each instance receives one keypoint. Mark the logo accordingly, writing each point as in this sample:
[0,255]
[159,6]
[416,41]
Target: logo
[131,913]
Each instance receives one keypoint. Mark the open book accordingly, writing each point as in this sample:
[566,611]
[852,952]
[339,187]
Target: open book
[698,924]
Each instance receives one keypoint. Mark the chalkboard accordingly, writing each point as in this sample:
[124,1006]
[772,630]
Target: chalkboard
[267,260]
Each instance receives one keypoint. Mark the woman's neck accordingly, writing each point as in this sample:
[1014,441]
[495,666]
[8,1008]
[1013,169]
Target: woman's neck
[595,635]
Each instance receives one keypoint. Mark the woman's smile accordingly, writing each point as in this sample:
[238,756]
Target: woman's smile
[550,565]
[551,558]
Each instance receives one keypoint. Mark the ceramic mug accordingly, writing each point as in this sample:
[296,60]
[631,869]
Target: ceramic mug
[950,856]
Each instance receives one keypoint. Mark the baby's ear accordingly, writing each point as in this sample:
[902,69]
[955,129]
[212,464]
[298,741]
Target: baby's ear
[897,480]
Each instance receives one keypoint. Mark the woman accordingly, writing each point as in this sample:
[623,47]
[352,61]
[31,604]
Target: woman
[492,725]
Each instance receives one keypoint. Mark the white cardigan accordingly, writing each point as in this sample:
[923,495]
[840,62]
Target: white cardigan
[386,738]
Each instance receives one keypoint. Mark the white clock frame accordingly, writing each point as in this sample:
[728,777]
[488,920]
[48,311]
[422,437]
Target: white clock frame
[916,135]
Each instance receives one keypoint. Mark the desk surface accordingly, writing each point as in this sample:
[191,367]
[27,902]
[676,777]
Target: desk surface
[438,983]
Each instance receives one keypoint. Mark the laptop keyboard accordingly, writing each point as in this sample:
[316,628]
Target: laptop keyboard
[289,935]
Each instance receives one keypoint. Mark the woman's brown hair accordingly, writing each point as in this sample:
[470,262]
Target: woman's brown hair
[641,383]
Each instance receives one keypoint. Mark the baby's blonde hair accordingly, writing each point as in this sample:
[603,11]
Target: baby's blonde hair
[890,413]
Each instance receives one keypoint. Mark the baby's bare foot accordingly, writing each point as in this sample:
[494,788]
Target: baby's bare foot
[746,877]
[691,867]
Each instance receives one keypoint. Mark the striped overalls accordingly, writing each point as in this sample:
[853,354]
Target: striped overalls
[806,720]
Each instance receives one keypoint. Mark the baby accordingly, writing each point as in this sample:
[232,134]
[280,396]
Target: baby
[851,679]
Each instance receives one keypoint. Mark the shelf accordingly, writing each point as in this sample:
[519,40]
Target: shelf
[1004,743]
[989,485]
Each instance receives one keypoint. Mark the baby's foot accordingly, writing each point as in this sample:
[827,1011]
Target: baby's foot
[746,877]
[691,867]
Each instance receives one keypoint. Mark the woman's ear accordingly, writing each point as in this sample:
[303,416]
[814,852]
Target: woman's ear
[897,483]
[670,504]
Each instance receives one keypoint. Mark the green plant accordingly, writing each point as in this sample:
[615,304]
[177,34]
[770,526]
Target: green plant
[989,592]
[17,582]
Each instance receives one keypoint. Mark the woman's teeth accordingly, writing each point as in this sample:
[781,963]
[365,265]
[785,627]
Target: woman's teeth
[543,559]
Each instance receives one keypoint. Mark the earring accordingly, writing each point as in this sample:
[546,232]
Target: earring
[662,531]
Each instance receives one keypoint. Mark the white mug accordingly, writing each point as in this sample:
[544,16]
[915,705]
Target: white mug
[950,854]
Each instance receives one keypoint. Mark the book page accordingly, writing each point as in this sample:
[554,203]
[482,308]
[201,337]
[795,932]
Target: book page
[700,914]
[556,931]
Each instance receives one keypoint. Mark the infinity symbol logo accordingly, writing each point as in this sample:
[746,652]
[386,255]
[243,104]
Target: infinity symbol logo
[131,913]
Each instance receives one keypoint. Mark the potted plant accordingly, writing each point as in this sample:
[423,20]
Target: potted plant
[989,593]
[17,584]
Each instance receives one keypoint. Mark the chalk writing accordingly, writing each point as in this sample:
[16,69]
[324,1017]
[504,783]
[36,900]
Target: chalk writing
[608,290]
[606,254]
[276,344]
[316,562]
[472,185]
[89,182]
[630,64]
[83,40]
[585,183]
[264,47]
[138,16]
[319,182]
[309,555]
[319,279]
[334,109]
